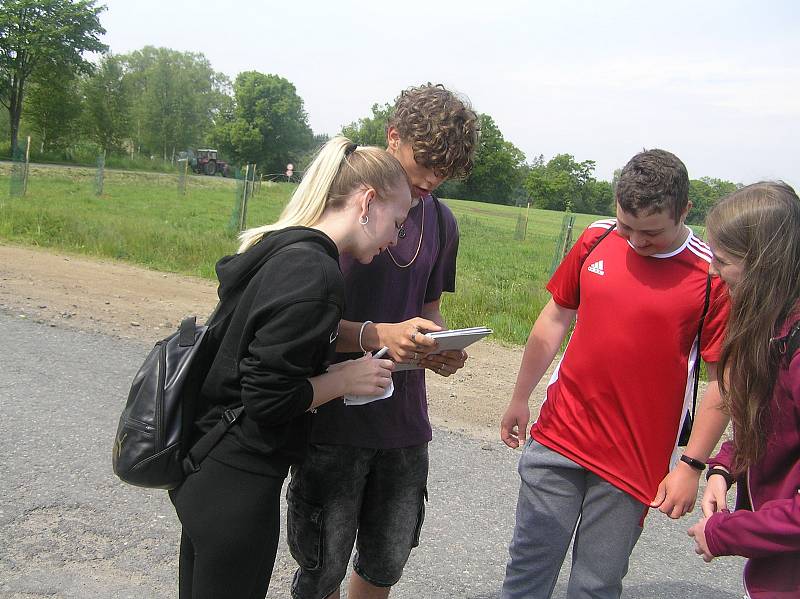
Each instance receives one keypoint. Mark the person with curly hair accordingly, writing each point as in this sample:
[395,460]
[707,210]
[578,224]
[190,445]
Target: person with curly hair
[364,478]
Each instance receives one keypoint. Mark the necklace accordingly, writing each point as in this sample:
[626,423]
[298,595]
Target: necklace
[419,245]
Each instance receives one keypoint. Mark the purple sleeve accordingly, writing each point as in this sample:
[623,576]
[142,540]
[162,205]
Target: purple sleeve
[775,528]
[724,457]
[443,275]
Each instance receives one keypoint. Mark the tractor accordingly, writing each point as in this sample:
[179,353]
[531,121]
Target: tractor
[205,161]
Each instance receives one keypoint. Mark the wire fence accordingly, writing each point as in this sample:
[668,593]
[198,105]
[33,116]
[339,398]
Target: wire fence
[564,240]
[100,176]
[247,186]
[20,169]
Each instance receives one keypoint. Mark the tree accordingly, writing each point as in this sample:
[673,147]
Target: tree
[108,104]
[178,98]
[703,193]
[497,174]
[39,37]
[564,184]
[599,198]
[53,109]
[269,124]
[371,130]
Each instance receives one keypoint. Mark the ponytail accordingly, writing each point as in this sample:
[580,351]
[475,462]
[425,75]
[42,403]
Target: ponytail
[339,168]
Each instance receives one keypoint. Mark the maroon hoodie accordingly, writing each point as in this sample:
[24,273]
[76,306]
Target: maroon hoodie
[766,524]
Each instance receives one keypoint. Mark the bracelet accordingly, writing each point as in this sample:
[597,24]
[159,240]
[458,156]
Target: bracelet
[696,464]
[361,334]
[729,478]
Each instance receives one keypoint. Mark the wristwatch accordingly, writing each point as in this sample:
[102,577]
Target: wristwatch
[696,464]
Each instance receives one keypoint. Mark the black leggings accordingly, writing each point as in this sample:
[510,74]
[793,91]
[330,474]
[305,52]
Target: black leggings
[231,524]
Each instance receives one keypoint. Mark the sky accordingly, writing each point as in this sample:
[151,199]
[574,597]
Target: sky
[715,82]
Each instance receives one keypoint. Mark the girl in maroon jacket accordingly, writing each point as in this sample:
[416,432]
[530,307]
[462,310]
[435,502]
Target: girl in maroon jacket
[754,235]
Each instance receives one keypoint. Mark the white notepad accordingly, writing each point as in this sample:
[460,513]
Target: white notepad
[450,339]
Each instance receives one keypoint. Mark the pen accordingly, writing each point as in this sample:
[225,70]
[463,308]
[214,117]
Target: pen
[381,352]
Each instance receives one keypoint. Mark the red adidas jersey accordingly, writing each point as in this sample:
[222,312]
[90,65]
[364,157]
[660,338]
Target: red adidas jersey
[616,401]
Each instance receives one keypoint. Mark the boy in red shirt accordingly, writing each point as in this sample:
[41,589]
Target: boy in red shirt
[599,454]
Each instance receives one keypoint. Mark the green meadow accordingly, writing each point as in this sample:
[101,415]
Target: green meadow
[142,219]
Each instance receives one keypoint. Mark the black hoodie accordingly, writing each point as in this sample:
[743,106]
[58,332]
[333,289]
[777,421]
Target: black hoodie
[282,332]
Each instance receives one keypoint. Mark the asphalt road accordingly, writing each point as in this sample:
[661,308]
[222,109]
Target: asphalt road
[70,529]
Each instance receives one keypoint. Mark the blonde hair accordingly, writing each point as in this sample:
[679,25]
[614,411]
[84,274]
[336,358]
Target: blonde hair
[339,168]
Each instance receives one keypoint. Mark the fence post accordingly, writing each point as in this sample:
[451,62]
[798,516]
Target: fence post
[568,239]
[27,166]
[100,176]
[182,168]
[564,241]
[16,184]
[243,211]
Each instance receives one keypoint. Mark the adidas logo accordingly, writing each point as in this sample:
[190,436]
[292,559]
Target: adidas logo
[597,268]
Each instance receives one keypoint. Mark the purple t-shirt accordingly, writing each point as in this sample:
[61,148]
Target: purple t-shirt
[383,292]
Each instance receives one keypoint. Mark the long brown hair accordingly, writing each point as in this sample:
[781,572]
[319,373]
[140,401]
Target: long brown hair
[759,225]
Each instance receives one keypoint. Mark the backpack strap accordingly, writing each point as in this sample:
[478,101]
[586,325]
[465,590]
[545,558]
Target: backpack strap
[597,242]
[440,223]
[186,331]
[789,343]
[204,445]
[793,342]
[688,419]
[699,337]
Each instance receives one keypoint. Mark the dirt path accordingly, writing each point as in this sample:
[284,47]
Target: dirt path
[135,303]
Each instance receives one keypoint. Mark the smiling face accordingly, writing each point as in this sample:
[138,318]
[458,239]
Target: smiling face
[725,265]
[423,180]
[384,215]
[651,234]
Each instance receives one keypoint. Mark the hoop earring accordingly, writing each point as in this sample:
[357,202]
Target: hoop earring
[363,220]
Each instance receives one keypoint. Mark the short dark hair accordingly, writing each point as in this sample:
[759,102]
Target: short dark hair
[441,128]
[653,181]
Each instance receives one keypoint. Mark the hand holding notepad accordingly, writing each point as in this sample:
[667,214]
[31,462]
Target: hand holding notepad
[452,339]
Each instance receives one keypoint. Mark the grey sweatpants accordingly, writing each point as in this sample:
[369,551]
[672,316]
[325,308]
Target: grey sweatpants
[555,493]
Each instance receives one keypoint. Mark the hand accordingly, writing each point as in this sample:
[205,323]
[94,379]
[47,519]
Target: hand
[514,424]
[365,376]
[446,362]
[677,492]
[698,533]
[406,340]
[715,497]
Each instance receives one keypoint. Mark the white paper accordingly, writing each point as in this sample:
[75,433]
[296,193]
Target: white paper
[360,400]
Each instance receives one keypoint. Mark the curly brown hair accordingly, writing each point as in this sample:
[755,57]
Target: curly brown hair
[654,181]
[441,128]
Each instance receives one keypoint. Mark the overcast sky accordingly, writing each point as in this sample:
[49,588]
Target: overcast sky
[716,82]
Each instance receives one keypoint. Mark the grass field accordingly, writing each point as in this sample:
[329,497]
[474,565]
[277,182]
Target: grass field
[141,219]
